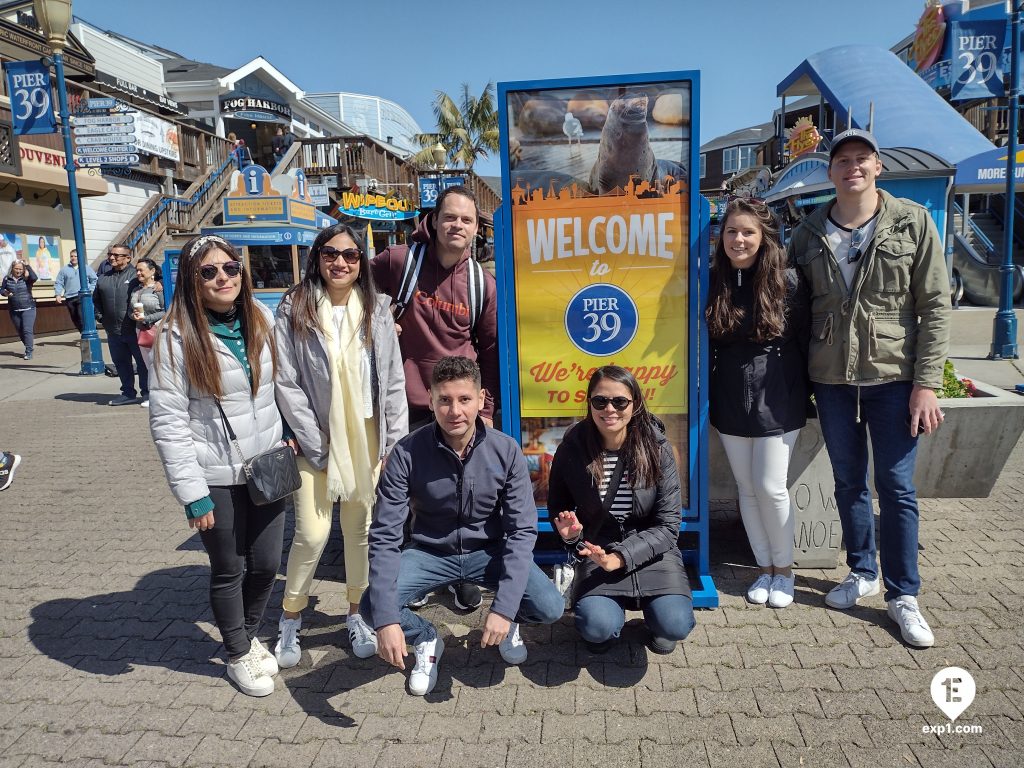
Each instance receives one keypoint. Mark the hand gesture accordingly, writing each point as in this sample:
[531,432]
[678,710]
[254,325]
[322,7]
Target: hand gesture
[203,523]
[391,645]
[609,561]
[495,629]
[568,525]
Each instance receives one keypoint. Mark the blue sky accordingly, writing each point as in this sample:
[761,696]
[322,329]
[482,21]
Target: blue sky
[405,51]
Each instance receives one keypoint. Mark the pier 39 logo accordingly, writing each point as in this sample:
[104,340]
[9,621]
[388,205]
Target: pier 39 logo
[601,319]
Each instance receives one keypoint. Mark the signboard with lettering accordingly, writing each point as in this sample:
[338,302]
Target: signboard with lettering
[433,186]
[319,194]
[802,138]
[28,84]
[376,207]
[252,108]
[977,71]
[930,34]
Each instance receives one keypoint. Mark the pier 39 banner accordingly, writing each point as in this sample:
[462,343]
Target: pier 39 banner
[598,199]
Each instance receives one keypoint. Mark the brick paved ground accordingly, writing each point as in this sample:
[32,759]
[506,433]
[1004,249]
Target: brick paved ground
[108,655]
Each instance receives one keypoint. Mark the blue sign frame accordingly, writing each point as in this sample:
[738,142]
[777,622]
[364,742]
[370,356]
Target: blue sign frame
[695,508]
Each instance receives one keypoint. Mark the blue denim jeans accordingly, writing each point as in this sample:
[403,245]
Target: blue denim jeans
[600,618]
[884,409]
[124,349]
[24,323]
[421,572]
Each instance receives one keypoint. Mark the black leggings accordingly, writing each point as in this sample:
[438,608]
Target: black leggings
[244,546]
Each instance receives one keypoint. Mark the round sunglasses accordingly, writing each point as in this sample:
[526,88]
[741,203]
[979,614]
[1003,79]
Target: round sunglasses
[230,268]
[330,255]
[600,402]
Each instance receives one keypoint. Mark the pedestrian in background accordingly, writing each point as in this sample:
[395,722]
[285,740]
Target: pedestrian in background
[114,311]
[614,498]
[341,389]
[17,287]
[68,288]
[758,318]
[147,309]
[214,366]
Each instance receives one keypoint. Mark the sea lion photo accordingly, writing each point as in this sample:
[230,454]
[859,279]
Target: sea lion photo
[625,149]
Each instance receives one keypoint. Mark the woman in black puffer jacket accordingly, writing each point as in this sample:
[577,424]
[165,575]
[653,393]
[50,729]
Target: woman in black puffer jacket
[614,499]
[17,287]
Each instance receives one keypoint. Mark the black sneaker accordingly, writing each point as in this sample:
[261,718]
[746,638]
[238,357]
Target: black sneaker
[467,596]
[660,645]
[8,463]
[599,648]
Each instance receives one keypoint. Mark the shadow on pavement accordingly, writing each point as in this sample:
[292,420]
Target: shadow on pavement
[95,398]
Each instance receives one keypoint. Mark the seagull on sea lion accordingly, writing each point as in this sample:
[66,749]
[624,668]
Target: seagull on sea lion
[573,129]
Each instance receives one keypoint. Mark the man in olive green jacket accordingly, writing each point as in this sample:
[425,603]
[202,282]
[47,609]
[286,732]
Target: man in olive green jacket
[880,333]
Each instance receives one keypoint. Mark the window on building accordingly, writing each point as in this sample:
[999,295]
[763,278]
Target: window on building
[703,165]
[271,266]
[735,159]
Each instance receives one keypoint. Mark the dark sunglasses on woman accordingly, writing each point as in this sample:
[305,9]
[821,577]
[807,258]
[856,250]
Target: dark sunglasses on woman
[600,402]
[209,271]
[350,255]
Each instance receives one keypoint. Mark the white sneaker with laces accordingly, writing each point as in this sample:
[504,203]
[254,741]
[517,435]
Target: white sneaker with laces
[850,590]
[266,658]
[424,674]
[512,648]
[914,629]
[287,651]
[418,603]
[780,593]
[362,638]
[758,592]
[248,675]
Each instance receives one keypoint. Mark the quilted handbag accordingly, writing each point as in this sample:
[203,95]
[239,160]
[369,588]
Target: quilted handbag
[269,476]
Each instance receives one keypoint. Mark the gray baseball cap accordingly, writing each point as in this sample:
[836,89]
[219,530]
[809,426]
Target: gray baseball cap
[853,134]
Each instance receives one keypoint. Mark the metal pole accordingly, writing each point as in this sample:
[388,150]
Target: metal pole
[92,352]
[1004,327]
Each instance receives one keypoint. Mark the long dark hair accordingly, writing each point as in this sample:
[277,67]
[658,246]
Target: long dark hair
[188,315]
[642,449]
[304,318]
[722,314]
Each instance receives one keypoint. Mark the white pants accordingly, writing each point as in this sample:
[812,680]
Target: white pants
[761,468]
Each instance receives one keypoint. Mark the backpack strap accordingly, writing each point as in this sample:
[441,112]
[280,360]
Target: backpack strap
[475,277]
[410,276]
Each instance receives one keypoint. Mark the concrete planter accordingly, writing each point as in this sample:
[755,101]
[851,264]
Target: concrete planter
[962,460]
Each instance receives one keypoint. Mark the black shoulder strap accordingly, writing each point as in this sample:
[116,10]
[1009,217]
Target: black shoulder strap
[613,484]
[475,277]
[410,276]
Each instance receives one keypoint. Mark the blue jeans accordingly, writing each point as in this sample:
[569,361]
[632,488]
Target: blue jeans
[421,572]
[600,618]
[884,409]
[24,323]
[124,349]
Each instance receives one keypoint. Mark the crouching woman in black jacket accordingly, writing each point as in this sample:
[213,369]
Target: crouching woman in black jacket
[614,499]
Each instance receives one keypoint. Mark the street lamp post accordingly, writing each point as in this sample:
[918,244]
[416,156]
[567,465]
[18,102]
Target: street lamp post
[440,154]
[1004,327]
[54,17]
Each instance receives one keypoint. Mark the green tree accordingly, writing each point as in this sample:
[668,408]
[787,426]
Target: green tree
[468,128]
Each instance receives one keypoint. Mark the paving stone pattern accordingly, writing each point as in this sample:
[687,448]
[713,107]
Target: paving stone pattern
[108,654]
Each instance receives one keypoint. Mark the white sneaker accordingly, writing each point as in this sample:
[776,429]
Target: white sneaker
[780,593]
[512,648]
[758,592]
[850,590]
[915,630]
[418,603]
[562,577]
[362,638]
[424,674]
[287,650]
[248,675]
[266,658]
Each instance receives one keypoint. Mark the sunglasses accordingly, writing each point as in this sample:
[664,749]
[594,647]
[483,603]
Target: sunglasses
[350,255]
[112,255]
[600,402]
[857,238]
[231,268]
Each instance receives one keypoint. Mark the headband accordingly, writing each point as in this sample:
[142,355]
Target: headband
[203,241]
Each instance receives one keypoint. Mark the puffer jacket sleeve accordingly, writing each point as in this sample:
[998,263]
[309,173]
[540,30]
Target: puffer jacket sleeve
[662,525]
[292,399]
[396,405]
[169,424]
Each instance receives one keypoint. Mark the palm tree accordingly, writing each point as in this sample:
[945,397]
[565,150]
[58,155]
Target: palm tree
[468,129]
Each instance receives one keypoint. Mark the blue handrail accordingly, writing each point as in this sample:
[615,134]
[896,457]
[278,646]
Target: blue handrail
[976,231]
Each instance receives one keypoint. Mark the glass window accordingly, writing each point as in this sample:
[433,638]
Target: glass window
[271,266]
[735,159]
[703,165]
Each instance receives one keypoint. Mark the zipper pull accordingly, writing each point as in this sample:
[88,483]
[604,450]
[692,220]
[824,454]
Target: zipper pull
[739,277]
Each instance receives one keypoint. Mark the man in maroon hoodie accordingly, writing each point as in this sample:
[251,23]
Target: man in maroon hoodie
[437,321]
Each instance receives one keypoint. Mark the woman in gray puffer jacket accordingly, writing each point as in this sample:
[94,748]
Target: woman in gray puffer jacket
[17,287]
[214,351]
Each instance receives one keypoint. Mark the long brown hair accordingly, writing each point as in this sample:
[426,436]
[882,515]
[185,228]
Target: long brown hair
[642,449]
[304,317]
[187,315]
[722,314]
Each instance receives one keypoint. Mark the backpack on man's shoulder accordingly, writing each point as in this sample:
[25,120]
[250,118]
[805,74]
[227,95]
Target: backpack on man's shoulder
[411,275]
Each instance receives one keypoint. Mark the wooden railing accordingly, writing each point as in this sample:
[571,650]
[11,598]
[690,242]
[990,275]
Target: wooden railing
[361,156]
[989,117]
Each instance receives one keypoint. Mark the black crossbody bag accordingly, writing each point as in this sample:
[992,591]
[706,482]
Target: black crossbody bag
[269,476]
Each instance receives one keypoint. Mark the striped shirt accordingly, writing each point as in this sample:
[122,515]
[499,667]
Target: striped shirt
[622,504]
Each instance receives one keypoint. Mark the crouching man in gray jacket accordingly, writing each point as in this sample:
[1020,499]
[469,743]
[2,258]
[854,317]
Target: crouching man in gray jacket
[473,520]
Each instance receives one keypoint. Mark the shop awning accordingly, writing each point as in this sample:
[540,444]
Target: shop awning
[140,93]
[907,112]
[42,169]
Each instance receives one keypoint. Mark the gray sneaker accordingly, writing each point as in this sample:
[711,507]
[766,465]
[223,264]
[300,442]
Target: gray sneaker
[850,590]
[122,400]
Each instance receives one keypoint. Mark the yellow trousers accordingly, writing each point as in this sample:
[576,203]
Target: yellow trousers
[313,517]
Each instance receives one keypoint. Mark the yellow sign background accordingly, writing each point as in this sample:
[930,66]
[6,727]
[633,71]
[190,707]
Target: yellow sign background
[553,372]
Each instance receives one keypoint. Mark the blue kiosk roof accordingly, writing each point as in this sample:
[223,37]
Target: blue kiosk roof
[908,113]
